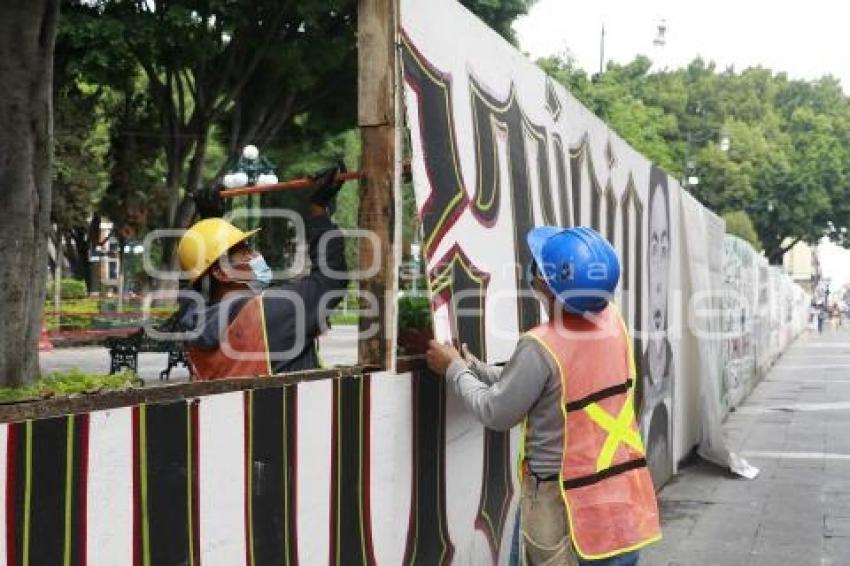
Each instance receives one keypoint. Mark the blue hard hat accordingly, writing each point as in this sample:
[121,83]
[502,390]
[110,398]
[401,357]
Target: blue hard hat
[578,264]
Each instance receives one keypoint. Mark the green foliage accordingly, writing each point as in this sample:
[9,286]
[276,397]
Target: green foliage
[68,322]
[339,318]
[107,156]
[788,164]
[499,14]
[135,197]
[87,314]
[80,306]
[414,312]
[185,85]
[569,74]
[69,383]
[616,97]
[155,99]
[81,145]
[738,223]
[68,289]
[75,314]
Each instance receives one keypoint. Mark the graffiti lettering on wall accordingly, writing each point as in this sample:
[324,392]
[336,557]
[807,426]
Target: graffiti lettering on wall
[512,156]
[527,172]
[739,297]
[461,287]
[428,539]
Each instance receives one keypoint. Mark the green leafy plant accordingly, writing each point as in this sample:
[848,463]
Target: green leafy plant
[68,289]
[70,383]
[414,312]
[414,324]
[340,318]
[83,314]
[738,223]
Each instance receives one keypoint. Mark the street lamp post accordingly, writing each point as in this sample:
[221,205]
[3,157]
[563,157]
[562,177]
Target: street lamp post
[251,169]
[659,42]
[130,249]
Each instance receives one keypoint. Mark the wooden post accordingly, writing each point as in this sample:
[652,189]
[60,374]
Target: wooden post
[377,25]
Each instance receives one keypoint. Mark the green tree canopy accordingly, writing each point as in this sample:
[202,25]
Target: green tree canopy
[181,86]
[786,166]
[738,223]
[499,14]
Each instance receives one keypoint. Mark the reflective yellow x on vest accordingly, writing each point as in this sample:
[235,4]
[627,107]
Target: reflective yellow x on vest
[607,490]
[620,430]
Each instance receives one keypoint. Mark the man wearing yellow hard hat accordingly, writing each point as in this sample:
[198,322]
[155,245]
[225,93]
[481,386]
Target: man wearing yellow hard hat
[246,327]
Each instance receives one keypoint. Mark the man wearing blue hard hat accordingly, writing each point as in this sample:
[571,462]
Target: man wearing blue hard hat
[586,493]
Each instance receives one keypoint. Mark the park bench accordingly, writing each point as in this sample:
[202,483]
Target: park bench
[124,352]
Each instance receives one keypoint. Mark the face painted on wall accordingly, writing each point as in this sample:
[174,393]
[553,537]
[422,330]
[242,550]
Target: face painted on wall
[658,276]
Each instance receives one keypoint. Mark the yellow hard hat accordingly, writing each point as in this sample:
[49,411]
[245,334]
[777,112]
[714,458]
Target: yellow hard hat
[205,242]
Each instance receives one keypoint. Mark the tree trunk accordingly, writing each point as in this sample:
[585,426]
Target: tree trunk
[774,257]
[77,248]
[181,209]
[27,34]
[775,250]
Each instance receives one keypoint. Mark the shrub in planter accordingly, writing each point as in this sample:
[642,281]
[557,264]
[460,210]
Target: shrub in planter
[68,289]
[68,322]
[69,384]
[110,323]
[414,324]
[108,306]
[75,322]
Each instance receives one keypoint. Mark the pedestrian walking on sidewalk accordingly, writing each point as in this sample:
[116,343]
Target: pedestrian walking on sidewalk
[586,494]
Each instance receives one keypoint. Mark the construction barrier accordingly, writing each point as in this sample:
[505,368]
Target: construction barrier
[367,469]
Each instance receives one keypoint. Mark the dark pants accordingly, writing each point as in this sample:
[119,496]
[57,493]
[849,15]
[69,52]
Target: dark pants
[628,559]
[514,559]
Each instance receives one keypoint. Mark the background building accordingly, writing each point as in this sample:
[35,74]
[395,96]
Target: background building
[802,265]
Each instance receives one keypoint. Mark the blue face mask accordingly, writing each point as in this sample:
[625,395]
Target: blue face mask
[262,272]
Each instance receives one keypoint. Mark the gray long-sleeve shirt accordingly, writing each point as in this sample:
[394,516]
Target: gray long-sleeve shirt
[529,385]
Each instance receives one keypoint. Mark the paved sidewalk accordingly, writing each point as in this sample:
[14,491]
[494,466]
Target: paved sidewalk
[795,427]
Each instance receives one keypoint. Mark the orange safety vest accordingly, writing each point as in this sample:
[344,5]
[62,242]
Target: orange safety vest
[242,352]
[606,486]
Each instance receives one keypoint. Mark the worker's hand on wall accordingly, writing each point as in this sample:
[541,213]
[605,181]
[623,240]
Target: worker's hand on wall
[327,186]
[440,356]
[468,356]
